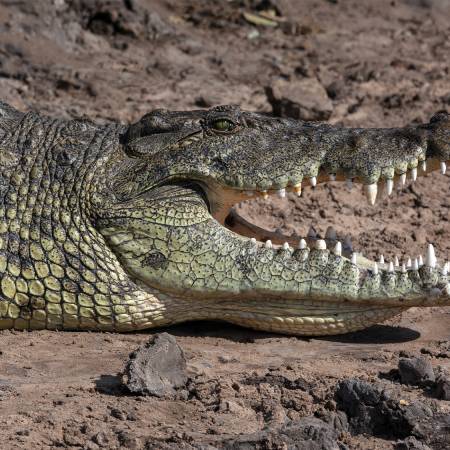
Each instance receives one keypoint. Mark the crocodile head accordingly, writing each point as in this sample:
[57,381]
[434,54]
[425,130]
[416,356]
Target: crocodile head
[167,213]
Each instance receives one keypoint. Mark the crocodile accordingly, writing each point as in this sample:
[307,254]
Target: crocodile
[119,227]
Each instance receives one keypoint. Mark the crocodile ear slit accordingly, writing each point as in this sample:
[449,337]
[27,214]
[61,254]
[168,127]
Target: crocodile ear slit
[153,143]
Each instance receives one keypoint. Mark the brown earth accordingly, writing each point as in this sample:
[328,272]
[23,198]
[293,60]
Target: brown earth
[357,63]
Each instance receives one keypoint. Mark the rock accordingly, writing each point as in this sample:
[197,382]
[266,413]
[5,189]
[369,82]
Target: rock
[338,420]
[442,386]
[308,433]
[157,368]
[373,410]
[411,443]
[416,371]
[304,99]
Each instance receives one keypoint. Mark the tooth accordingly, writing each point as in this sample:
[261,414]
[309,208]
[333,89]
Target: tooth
[321,244]
[403,269]
[285,246]
[302,244]
[253,240]
[408,263]
[338,249]
[349,182]
[396,261]
[424,166]
[402,179]
[312,232]
[371,193]
[265,195]
[298,189]
[381,259]
[281,193]
[390,267]
[430,258]
[415,265]
[414,174]
[353,260]
[443,167]
[445,269]
[389,186]
[375,269]
[268,244]
[332,177]
[420,261]
[313,181]
[331,234]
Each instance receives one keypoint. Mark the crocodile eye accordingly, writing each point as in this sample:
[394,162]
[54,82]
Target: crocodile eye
[223,125]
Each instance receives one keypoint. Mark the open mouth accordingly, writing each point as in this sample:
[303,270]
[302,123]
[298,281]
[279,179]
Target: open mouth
[341,246]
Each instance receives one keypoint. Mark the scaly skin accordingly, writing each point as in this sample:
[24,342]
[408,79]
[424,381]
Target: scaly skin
[122,228]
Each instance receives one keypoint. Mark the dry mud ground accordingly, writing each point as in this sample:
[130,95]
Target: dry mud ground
[356,63]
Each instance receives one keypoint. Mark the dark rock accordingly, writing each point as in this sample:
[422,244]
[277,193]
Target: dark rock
[442,386]
[308,433]
[304,99]
[416,371]
[373,410]
[118,414]
[157,368]
[411,443]
[338,420]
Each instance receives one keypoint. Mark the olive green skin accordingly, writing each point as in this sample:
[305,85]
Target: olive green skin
[113,227]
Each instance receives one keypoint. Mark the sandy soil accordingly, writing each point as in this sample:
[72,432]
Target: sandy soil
[357,63]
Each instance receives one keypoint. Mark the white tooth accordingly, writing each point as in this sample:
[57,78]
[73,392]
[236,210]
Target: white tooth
[321,244]
[313,181]
[332,177]
[390,267]
[302,244]
[396,261]
[268,244]
[381,259]
[424,166]
[298,189]
[253,240]
[415,264]
[265,195]
[331,234]
[408,263]
[338,249]
[445,269]
[443,167]
[371,193]
[430,258]
[414,174]
[389,186]
[349,183]
[281,193]
[420,261]
[375,268]
[353,260]
[311,232]
[402,179]
[403,269]
[285,246]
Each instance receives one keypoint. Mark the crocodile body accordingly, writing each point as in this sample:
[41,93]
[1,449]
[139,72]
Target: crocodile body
[120,228]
